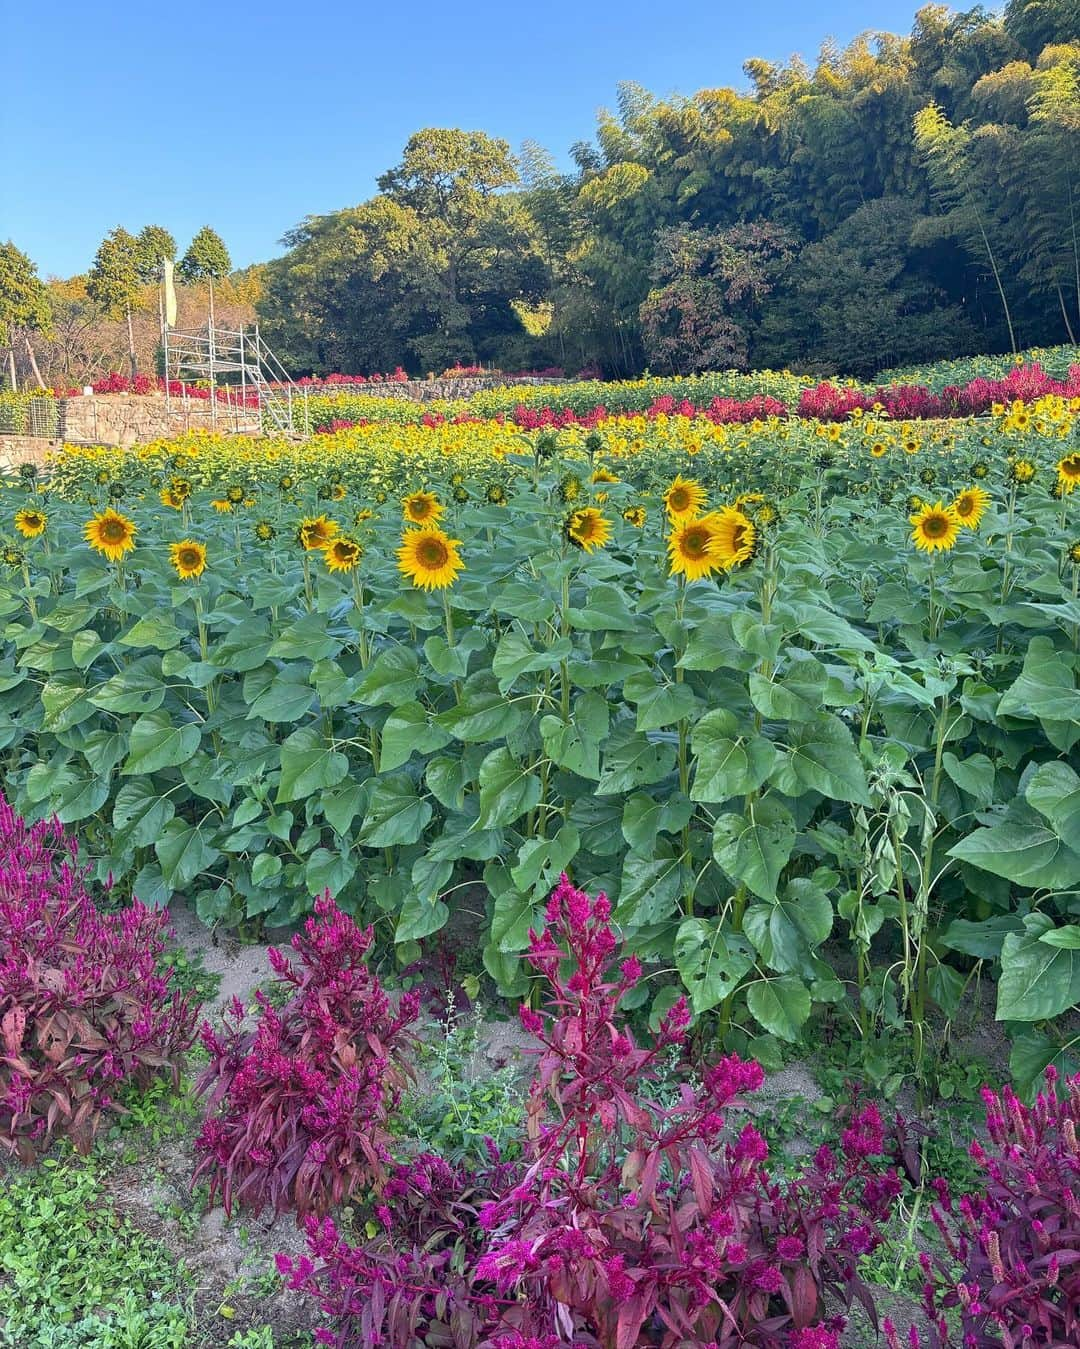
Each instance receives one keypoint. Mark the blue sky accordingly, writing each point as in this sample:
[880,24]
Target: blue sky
[249,116]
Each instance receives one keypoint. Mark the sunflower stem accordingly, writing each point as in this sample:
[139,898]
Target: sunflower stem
[361,635]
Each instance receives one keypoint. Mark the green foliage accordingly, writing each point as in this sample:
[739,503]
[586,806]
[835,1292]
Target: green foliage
[73,1273]
[24,301]
[206,259]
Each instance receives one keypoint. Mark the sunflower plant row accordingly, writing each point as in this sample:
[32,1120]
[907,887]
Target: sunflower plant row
[804,704]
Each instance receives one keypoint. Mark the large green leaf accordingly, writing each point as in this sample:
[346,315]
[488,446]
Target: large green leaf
[755,848]
[141,812]
[1054,791]
[658,704]
[727,764]
[395,813]
[392,677]
[308,638]
[278,695]
[183,852]
[1027,853]
[632,761]
[308,764]
[507,791]
[781,1006]
[822,757]
[408,730]
[138,687]
[158,742]
[1037,981]
[711,960]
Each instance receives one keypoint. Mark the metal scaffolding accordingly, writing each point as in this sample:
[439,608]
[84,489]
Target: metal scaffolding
[249,389]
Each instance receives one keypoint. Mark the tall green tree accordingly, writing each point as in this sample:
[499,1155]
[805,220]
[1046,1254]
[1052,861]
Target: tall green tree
[115,283]
[24,305]
[207,259]
[155,246]
[451,181]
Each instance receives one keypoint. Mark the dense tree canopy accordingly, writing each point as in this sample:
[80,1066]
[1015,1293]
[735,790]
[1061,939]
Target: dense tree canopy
[902,199]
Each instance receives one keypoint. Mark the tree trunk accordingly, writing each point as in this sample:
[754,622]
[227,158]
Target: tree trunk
[11,369]
[34,364]
[211,280]
[132,359]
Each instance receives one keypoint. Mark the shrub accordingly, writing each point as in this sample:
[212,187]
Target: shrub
[627,1223]
[83,1007]
[1014,1277]
[298,1106]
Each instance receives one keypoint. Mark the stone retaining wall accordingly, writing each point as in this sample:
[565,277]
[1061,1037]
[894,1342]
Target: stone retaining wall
[133,419]
[427,390]
[17,450]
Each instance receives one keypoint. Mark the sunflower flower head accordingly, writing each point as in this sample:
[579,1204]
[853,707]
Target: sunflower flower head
[316,531]
[692,548]
[170,498]
[265,531]
[111,533]
[1021,472]
[30,523]
[362,516]
[429,558]
[235,494]
[935,528]
[683,499]
[188,558]
[980,470]
[970,505]
[736,537]
[286,482]
[12,557]
[635,515]
[1073,553]
[496,494]
[1068,472]
[587,528]
[422,508]
[342,553]
[569,489]
[222,505]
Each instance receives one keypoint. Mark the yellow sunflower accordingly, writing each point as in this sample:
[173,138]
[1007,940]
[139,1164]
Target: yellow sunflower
[935,528]
[316,532]
[222,505]
[735,537]
[588,528]
[422,508]
[1073,553]
[879,449]
[171,498]
[603,475]
[634,515]
[30,523]
[683,499]
[338,491]
[429,558]
[1021,471]
[362,515]
[342,554]
[235,494]
[181,488]
[970,505]
[189,558]
[1068,471]
[111,533]
[693,550]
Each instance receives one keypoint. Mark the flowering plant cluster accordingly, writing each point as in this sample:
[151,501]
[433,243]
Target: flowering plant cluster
[908,402]
[1013,1274]
[83,1009]
[397,376]
[297,1106]
[628,1222]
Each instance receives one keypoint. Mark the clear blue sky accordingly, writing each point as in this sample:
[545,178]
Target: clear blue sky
[250,116]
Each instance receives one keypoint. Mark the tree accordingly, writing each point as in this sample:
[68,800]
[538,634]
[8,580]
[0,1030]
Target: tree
[24,305]
[155,246]
[953,164]
[1036,24]
[450,179]
[712,285]
[114,282]
[862,299]
[207,259]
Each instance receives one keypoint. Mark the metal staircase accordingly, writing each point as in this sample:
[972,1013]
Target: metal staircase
[249,386]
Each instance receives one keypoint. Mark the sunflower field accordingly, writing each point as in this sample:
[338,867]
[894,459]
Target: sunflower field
[800,697]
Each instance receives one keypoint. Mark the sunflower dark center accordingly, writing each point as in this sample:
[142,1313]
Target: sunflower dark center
[935,526]
[432,553]
[114,531]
